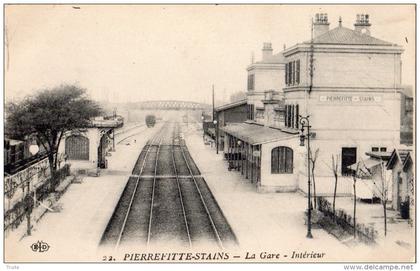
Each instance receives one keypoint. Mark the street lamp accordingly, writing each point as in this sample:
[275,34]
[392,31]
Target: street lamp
[202,123]
[304,122]
[216,132]
[33,149]
[239,152]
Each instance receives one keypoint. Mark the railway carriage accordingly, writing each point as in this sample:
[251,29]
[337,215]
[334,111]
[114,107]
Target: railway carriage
[150,120]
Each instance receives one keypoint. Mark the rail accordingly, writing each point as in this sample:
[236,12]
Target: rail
[215,231]
[179,188]
[134,192]
[153,192]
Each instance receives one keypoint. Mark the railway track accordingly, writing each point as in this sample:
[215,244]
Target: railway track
[166,201]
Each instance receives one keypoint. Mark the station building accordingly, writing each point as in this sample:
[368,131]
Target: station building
[86,149]
[346,81]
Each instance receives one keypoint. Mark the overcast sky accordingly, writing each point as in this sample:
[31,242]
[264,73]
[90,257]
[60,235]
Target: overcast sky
[133,53]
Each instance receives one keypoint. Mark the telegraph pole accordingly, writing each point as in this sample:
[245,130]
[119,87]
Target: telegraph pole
[311,58]
[212,102]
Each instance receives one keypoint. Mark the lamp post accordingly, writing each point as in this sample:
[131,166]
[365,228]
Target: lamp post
[216,135]
[202,122]
[304,122]
[33,149]
[239,152]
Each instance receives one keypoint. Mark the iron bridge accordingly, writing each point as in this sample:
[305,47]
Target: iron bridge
[171,105]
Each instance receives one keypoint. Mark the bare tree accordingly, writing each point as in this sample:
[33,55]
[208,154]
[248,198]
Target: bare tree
[334,167]
[313,159]
[355,176]
[380,187]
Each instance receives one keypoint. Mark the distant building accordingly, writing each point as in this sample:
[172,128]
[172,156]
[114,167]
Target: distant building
[235,112]
[403,189]
[407,120]
[86,149]
[264,75]
[352,95]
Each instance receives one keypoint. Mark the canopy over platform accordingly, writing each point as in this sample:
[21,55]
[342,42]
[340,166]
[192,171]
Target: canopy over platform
[256,134]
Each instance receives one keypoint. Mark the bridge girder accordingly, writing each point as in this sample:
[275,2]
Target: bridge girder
[171,105]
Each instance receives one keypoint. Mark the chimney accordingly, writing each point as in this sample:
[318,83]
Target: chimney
[267,51]
[362,24]
[321,24]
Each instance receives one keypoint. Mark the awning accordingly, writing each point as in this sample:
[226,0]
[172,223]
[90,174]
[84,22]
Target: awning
[256,134]
[366,164]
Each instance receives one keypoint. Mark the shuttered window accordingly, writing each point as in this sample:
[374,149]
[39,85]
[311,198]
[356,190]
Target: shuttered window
[297,71]
[297,117]
[281,160]
[251,81]
[292,116]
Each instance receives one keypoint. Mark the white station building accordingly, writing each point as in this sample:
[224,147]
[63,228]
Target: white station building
[352,100]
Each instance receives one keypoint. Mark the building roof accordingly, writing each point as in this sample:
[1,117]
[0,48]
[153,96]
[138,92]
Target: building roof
[13,141]
[402,155]
[380,155]
[344,35]
[364,166]
[255,134]
[407,91]
[274,59]
[231,105]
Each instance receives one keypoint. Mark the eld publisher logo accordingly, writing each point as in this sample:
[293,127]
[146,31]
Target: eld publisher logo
[40,246]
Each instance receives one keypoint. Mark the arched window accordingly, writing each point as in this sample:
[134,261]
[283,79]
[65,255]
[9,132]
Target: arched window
[281,160]
[77,147]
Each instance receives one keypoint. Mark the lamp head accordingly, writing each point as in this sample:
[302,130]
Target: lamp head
[302,139]
[33,149]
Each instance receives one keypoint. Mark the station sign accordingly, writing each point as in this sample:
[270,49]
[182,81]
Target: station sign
[359,99]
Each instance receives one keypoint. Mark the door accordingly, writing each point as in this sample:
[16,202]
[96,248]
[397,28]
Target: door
[77,147]
[348,158]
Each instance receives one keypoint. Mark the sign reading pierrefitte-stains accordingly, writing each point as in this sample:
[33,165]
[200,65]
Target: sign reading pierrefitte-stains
[360,99]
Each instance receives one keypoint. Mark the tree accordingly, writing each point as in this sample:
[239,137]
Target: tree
[313,159]
[334,167]
[48,115]
[355,176]
[380,187]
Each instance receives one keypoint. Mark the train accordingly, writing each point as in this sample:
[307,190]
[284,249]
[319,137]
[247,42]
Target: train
[150,120]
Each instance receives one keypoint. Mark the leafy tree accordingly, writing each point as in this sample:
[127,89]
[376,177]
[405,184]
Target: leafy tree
[48,115]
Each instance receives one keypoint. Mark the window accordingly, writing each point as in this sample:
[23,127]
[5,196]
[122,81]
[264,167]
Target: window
[292,116]
[250,111]
[251,81]
[377,149]
[289,116]
[292,73]
[348,158]
[281,160]
[408,104]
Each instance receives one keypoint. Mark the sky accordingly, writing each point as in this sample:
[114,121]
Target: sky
[174,52]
